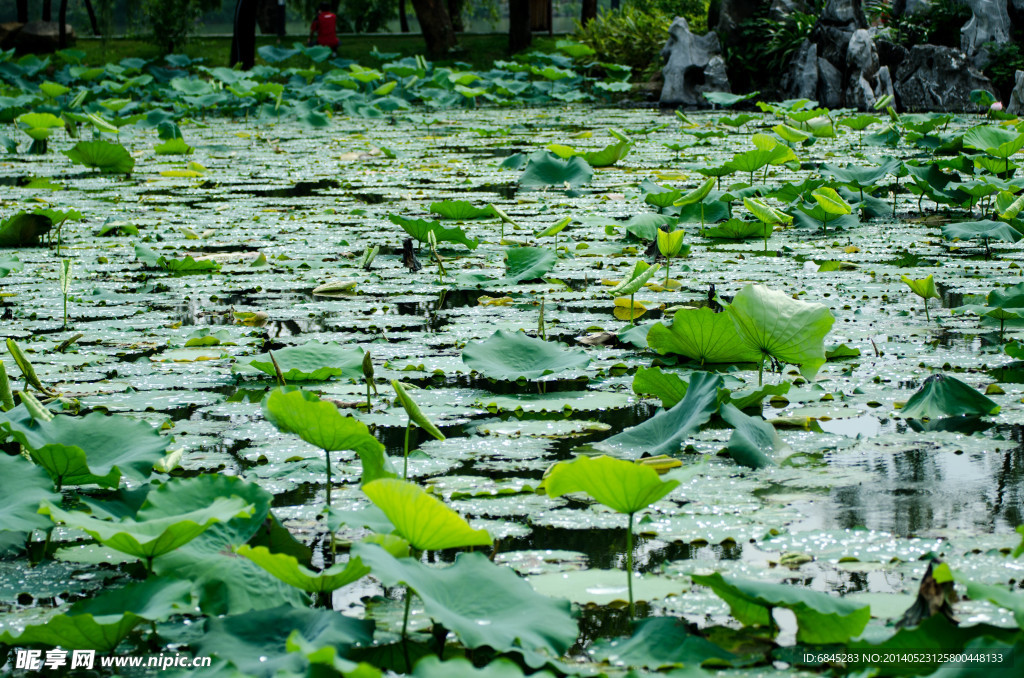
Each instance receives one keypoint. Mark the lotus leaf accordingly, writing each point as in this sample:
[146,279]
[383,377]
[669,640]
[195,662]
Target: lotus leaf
[528,263]
[659,643]
[24,229]
[820,617]
[420,229]
[752,441]
[506,355]
[461,210]
[775,324]
[9,264]
[157,529]
[92,449]
[944,396]
[607,156]
[24,486]
[637,278]
[986,230]
[621,485]
[996,141]
[483,603]
[103,155]
[670,388]
[830,201]
[185,265]
[425,522]
[256,642]
[668,430]
[432,667]
[736,229]
[313,361]
[545,170]
[175,146]
[701,334]
[287,569]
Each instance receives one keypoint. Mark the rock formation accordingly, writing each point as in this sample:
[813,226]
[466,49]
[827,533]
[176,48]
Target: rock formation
[1016,105]
[935,78]
[990,22]
[693,65]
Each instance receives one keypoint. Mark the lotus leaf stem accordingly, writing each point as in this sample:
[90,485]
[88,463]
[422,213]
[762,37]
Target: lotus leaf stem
[328,453]
[405,627]
[405,455]
[629,564]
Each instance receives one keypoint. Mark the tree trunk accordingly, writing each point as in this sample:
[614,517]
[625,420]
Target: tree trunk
[436,26]
[47,11]
[22,11]
[92,17]
[403,17]
[588,11]
[455,14]
[519,33]
[243,39]
[62,31]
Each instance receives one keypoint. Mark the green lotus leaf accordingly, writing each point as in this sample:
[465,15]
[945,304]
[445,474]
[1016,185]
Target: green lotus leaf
[39,121]
[313,361]
[659,643]
[637,278]
[821,618]
[483,603]
[860,122]
[726,99]
[766,213]
[414,412]
[667,431]
[555,228]
[607,156]
[985,229]
[95,448]
[736,229]
[287,569]
[24,487]
[461,210]
[226,583]
[944,396]
[775,324]
[103,155]
[514,355]
[924,287]
[996,141]
[420,229]
[528,263]
[752,161]
[620,485]
[423,521]
[752,397]
[185,265]
[754,439]
[24,229]
[9,263]
[670,244]
[175,146]
[545,170]
[645,226]
[102,623]
[670,388]
[157,528]
[860,177]
[830,201]
[432,667]
[703,335]
[257,642]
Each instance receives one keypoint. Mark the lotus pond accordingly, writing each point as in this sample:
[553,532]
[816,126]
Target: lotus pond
[667,392]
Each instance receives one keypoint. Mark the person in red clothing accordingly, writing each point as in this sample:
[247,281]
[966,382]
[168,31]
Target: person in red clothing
[324,28]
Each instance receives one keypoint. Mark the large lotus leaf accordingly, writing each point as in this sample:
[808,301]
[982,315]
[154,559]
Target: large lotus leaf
[754,439]
[657,643]
[24,229]
[108,156]
[701,334]
[511,355]
[461,210]
[313,361]
[607,156]
[432,667]
[154,537]
[544,170]
[620,485]
[102,623]
[483,603]
[820,617]
[256,642]
[667,431]
[859,177]
[420,519]
[986,229]
[736,229]
[287,569]
[92,449]
[528,263]
[24,486]
[996,141]
[652,381]
[9,263]
[421,228]
[320,423]
[944,396]
[775,324]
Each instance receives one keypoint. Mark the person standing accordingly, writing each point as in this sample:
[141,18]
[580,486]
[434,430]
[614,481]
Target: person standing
[324,29]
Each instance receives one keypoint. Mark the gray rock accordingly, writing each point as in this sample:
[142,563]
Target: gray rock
[783,9]
[830,84]
[990,22]
[1016,105]
[861,54]
[844,13]
[910,7]
[801,78]
[693,65]
[731,13]
[38,37]
[934,78]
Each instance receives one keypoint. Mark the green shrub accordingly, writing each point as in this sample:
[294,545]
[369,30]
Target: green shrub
[1004,61]
[170,22]
[758,55]
[938,25]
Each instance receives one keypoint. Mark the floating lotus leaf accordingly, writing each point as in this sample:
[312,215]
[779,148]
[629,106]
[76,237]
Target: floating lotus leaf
[820,617]
[703,335]
[420,519]
[24,487]
[313,361]
[508,355]
[944,396]
[620,485]
[528,263]
[986,229]
[546,170]
[432,667]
